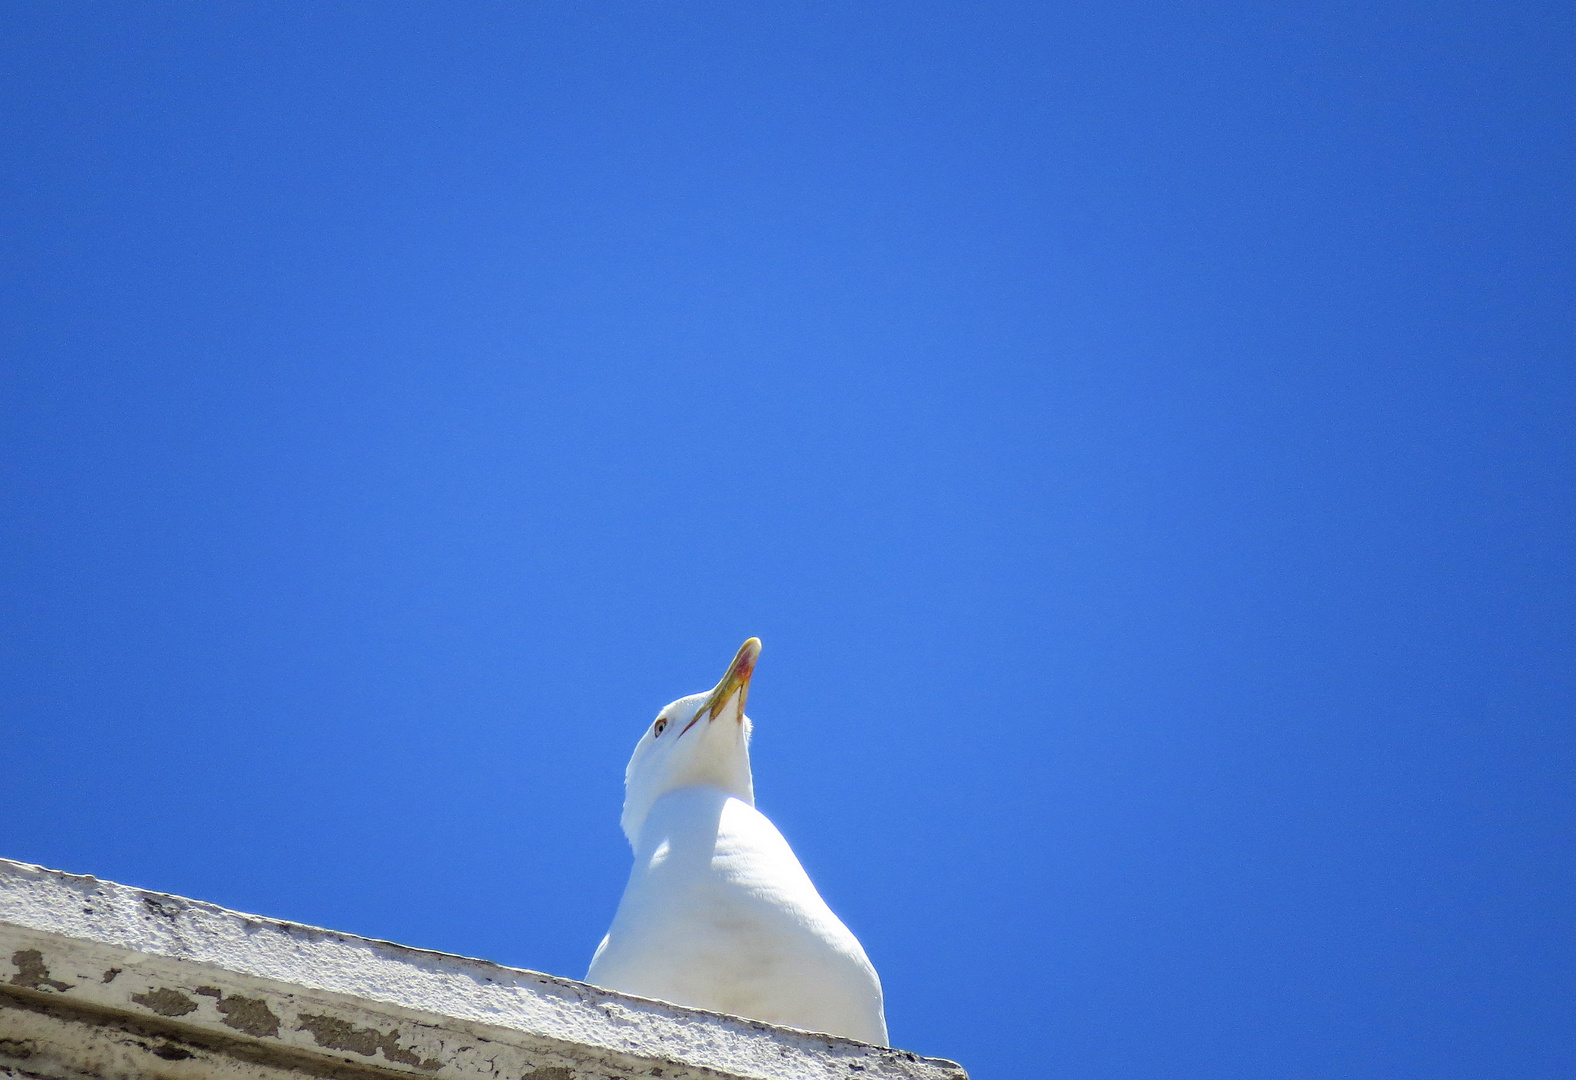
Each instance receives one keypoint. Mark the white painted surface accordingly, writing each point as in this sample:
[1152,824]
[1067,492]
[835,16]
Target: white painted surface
[453,1017]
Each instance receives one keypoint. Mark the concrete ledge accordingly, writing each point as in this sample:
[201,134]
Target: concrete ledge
[103,981]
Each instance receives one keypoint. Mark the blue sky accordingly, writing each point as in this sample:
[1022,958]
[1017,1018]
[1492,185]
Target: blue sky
[1141,435]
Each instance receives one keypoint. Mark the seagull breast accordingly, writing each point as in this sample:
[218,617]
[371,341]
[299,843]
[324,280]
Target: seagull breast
[718,914]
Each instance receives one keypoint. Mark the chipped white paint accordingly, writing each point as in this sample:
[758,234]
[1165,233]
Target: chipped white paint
[106,981]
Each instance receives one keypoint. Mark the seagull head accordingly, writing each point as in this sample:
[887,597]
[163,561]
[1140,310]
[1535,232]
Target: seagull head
[700,739]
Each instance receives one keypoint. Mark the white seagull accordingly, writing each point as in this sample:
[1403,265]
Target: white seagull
[718,913]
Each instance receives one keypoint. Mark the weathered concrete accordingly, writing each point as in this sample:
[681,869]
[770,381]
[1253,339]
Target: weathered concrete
[102,981]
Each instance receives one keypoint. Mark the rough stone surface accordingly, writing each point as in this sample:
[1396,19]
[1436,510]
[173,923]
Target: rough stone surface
[103,981]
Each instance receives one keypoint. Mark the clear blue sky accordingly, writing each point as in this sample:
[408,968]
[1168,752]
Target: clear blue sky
[1142,435]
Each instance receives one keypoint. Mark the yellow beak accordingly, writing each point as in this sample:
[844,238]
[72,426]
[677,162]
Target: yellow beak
[736,680]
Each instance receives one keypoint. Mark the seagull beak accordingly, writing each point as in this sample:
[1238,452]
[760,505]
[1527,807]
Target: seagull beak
[736,681]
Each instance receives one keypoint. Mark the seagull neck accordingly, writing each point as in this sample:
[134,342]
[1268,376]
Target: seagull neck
[712,755]
[686,814]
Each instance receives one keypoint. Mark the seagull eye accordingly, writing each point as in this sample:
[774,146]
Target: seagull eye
[662,722]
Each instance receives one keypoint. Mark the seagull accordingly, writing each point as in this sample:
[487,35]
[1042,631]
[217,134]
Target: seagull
[718,914]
